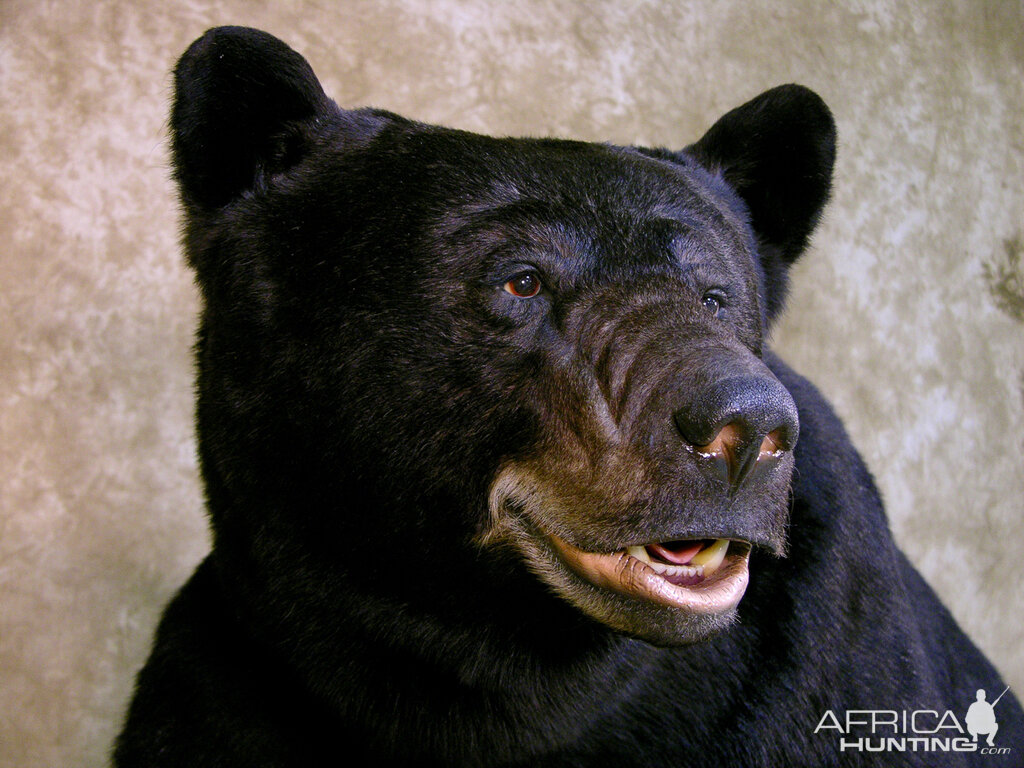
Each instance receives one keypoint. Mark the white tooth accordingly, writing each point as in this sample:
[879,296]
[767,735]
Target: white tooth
[676,570]
[640,553]
[711,557]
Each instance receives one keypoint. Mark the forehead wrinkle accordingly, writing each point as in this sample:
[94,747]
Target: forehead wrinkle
[707,212]
[722,234]
[526,226]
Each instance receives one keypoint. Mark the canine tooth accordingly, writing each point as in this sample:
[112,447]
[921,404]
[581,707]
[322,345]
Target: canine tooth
[640,553]
[711,557]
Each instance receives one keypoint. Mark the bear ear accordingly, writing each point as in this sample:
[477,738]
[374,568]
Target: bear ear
[239,95]
[777,152]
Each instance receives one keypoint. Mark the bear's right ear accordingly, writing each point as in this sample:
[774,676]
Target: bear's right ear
[239,94]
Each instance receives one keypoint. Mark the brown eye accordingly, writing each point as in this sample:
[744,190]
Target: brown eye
[525,285]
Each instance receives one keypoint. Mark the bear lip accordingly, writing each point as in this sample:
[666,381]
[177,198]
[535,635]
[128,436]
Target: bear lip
[628,576]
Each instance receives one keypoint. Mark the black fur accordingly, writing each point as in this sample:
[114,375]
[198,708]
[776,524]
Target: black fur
[366,383]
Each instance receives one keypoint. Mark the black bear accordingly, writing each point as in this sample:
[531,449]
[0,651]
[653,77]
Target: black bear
[499,469]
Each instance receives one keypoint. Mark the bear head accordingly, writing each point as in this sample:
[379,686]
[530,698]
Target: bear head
[453,386]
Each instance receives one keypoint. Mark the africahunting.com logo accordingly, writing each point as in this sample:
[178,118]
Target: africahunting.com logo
[920,730]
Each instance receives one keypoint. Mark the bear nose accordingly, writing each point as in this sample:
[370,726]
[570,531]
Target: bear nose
[738,422]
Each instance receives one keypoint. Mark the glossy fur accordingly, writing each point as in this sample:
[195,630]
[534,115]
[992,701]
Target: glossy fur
[375,595]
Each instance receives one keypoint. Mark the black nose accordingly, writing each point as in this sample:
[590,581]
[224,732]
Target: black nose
[737,422]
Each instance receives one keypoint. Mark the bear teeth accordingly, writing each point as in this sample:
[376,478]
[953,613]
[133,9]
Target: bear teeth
[703,564]
[711,556]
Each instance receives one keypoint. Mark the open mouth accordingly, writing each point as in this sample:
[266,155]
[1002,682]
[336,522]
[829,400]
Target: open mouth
[701,576]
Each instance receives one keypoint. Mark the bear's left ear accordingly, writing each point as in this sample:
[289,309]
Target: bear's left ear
[777,152]
[239,95]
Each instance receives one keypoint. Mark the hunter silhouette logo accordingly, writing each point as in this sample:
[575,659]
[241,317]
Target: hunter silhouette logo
[981,717]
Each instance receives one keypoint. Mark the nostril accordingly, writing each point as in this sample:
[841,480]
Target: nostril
[730,442]
[730,452]
[723,445]
[773,445]
[736,449]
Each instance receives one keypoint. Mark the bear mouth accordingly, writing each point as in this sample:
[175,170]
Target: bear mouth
[698,576]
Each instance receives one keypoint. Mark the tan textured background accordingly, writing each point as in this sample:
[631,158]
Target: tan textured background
[908,312]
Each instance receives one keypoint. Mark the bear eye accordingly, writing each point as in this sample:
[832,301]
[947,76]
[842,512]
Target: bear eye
[713,301]
[525,285]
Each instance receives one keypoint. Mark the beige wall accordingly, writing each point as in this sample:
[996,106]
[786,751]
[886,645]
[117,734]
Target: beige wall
[908,311]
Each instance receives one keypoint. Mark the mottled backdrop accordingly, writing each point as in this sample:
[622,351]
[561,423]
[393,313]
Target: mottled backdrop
[908,310]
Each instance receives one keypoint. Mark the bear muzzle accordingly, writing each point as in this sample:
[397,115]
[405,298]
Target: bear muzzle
[666,463]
